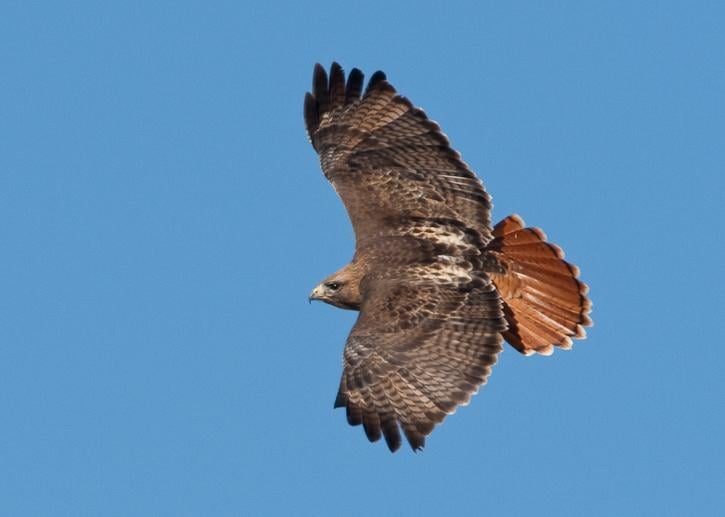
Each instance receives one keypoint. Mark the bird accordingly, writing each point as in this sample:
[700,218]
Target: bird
[438,288]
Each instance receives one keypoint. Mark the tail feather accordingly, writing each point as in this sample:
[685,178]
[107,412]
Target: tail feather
[545,303]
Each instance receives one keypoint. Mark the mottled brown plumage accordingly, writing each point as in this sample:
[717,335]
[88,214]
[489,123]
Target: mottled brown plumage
[437,288]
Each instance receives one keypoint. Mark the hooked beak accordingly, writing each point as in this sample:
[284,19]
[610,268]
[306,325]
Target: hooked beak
[316,294]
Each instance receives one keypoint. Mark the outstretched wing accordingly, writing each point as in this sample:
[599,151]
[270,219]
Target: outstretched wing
[386,160]
[426,339]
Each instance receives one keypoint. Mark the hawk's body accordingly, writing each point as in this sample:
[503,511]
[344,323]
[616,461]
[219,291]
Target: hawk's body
[438,289]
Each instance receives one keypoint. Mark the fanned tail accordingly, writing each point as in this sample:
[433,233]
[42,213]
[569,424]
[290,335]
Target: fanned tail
[545,303]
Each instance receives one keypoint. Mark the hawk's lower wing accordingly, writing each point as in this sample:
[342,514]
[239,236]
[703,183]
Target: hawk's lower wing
[423,344]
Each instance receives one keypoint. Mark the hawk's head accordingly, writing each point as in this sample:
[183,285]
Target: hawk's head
[340,289]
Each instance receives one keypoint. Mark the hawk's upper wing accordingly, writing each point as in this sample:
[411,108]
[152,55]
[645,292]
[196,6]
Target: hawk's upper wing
[425,340]
[386,160]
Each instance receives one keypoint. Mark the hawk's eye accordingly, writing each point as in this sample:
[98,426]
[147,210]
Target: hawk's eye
[333,286]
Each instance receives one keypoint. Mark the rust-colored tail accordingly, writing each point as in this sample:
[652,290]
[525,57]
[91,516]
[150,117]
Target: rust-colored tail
[545,304]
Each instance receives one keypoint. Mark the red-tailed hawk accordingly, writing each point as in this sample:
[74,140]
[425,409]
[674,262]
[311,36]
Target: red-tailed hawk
[438,289]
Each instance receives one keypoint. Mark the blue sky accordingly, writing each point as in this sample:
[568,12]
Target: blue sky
[163,218]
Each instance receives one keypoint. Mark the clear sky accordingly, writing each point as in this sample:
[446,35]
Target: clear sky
[163,219]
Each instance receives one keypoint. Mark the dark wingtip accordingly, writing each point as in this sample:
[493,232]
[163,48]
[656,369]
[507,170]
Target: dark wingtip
[337,86]
[319,71]
[330,92]
[371,425]
[340,400]
[335,70]
[389,426]
[393,442]
[319,87]
[377,78]
[354,415]
[354,86]
[416,440]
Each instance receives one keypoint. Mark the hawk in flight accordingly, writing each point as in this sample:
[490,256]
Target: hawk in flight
[437,287]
